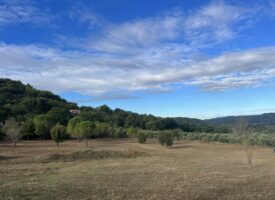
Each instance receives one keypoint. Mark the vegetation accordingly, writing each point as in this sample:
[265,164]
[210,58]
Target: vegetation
[12,130]
[42,126]
[166,138]
[141,137]
[132,132]
[242,129]
[86,129]
[44,109]
[191,170]
[71,128]
[38,111]
[58,133]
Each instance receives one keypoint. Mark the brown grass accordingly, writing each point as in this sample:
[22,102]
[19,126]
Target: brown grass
[188,170]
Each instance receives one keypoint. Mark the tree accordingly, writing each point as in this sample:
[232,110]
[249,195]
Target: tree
[241,128]
[132,132]
[86,129]
[103,130]
[58,133]
[72,129]
[28,128]
[166,138]
[12,130]
[141,137]
[59,115]
[42,126]
[120,133]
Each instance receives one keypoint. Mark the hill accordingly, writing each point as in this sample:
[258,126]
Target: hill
[24,103]
[262,119]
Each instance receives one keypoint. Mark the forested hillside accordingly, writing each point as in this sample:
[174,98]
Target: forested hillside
[30,107]
[263,119]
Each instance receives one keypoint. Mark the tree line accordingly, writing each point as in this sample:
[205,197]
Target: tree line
[38,112]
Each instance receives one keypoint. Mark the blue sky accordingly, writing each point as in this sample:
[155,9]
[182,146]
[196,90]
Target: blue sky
[168,58]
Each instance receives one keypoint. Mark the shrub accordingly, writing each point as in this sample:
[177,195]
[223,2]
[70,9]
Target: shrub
[177,134]
[120,133]
[141,137]
[166,138]
[132,132]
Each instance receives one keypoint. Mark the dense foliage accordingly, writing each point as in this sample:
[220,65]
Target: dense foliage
[58,133]
[166,138]
[37,112]
[141,137]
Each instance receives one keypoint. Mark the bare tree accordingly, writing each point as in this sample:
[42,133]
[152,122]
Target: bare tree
[13,131]
[241,128]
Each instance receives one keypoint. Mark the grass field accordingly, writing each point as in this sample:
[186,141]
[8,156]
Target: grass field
[188,170]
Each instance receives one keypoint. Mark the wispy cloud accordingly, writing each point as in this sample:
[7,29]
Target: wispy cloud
[98,76]
[14,12]
[155,54]
[217,22]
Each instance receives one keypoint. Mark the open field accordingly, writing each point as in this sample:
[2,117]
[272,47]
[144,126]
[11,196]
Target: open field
[188,170]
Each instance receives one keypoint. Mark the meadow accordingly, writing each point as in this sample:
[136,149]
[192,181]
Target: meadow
[124,169]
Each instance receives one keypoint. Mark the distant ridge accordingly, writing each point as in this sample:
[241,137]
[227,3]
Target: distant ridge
[261,119]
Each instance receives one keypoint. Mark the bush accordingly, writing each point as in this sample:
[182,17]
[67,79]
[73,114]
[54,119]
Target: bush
[177,134]
[141,137]
[132,132]
[166,138]
[120,133]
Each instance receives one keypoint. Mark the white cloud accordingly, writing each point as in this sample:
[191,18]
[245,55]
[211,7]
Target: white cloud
[215,22]
[150,55]
[97,75]
[13,12]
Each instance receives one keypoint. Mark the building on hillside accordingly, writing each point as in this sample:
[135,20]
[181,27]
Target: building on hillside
[75,111]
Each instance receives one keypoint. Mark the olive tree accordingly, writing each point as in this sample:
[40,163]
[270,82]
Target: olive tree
[166,138]
[141,137]
[42,126]
[58,133]
[85,130]
[72,127]
[13,131]
[132,132]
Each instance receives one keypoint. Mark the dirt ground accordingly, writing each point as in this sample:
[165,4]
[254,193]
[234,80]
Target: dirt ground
[188,170]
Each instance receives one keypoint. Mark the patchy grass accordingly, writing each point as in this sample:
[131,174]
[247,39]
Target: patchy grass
[187,170]
[90,154]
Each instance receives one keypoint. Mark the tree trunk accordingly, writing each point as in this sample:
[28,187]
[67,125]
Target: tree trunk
[86,140]
[78,140]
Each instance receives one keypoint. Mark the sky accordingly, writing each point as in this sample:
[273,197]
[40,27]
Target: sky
[179,58]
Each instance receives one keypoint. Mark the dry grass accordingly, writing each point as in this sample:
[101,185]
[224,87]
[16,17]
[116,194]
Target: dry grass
[188,170]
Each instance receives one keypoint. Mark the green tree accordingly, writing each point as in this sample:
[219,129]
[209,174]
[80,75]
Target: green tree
[132,132]
[86,129]
[59,115]
[42,126]
[120,133]
[28,128]
[72,127]
[166,138]
[141,137]
[58,133]
[12,130]
[103,130]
